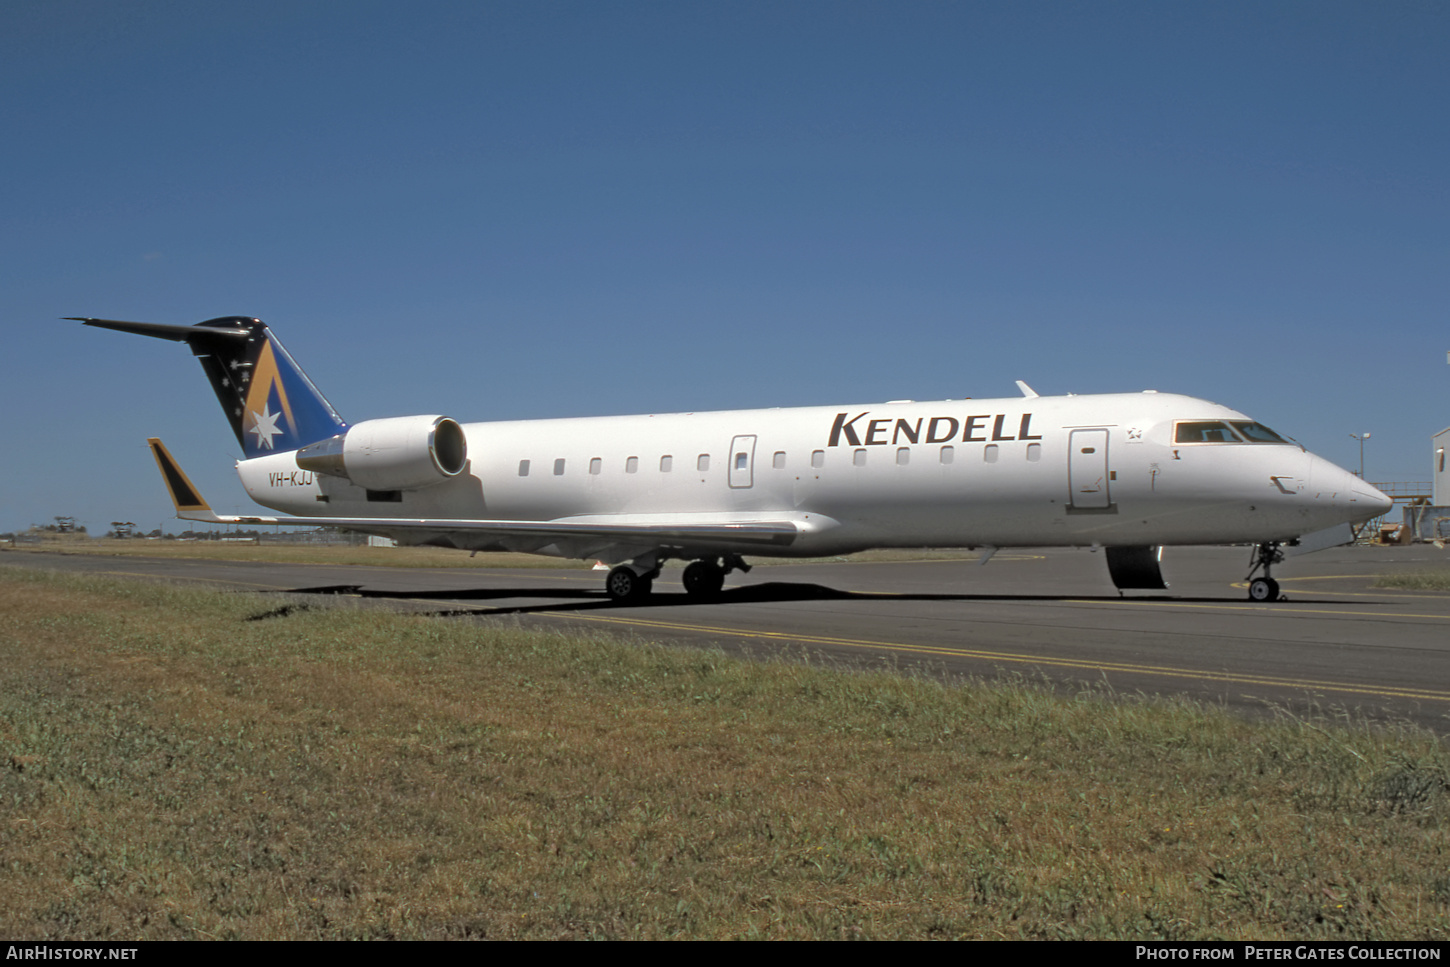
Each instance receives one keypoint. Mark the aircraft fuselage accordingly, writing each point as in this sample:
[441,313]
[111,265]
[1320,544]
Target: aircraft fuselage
[1065,470]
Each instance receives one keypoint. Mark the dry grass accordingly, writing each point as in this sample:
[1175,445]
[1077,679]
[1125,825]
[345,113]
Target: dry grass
[182,764]
[1431,580]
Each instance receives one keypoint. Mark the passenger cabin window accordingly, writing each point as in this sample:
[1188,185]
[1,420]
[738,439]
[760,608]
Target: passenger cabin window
[1034,452]
[948,454]
[631,465]
[559,467]
[818,459]
[778,461]
[702,462]
[859,457]
[523,468]
[596,465]
[989,453]
[667,463]
[903,456]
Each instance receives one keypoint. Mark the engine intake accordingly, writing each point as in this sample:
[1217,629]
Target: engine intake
[401,453]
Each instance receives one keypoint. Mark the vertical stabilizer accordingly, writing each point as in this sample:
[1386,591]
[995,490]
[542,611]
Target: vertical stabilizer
[269,401]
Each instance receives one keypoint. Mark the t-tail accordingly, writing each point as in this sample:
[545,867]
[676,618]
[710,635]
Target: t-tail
[270,402]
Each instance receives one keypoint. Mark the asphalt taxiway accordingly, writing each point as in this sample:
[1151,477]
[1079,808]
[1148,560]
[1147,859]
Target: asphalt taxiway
[1336,644]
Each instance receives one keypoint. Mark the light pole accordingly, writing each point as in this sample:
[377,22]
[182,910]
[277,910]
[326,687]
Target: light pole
[1361,437]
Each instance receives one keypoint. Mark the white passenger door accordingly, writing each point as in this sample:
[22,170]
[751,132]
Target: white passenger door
[742,462]
[1087,470]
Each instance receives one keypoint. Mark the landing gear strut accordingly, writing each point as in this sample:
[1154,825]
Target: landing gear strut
[1266,555]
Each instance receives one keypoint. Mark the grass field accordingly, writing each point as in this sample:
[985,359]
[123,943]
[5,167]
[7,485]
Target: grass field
[184,764]
[1430,580]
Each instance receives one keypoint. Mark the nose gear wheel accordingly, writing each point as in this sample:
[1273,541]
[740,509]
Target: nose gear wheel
[1265,588]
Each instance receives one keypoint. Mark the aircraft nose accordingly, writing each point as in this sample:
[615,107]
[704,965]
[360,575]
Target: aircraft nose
[1381,501]
[1359,499]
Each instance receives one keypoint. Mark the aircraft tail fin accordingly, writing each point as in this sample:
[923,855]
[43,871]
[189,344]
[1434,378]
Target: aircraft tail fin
[269,401]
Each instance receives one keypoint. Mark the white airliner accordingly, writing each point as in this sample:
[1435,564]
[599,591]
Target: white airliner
[1127,472]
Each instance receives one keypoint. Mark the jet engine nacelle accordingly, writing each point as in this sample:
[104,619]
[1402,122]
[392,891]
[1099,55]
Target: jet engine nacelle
[401,453]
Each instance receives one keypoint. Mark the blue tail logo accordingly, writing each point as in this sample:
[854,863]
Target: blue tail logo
[282,410]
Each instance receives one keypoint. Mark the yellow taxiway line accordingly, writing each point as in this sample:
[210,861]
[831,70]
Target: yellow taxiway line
[998,656]
[1277,607]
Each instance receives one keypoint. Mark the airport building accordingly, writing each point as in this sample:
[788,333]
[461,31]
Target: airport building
[1431,521]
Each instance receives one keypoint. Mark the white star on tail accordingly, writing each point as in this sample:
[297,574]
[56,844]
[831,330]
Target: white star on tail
[264,424]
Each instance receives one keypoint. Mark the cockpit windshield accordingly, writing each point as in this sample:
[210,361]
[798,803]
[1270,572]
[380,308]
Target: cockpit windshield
[1225,431]
[1204,431]
[1257,432]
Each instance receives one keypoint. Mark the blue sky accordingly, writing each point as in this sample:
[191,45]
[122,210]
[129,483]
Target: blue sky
[508,210]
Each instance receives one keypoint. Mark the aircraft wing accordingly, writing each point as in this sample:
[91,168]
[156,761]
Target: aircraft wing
[576,537]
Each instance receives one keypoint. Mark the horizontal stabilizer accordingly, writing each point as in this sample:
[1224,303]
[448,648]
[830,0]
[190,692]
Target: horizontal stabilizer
[186,334]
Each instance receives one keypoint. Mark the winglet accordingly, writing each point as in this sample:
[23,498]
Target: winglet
[183,492]
[190,504]
[1027,391]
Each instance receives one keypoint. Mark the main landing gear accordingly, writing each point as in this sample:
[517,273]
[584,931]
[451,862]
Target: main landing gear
[624,583]
[703,579]
[1266,555]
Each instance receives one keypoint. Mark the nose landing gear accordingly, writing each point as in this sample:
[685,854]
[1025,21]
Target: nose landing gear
[1265,588]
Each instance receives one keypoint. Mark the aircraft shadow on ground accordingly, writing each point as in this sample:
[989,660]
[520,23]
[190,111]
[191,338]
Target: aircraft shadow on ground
[771,592]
